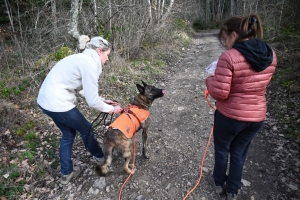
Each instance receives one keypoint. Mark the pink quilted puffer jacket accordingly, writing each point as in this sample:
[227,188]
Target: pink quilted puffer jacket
[238,88]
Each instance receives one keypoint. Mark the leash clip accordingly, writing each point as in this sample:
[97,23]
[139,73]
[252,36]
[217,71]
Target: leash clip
[206,93]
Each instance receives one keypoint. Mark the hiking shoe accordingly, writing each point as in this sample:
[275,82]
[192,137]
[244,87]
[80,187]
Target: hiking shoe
[220,190]
[99,161]
[65,179]
[230,196]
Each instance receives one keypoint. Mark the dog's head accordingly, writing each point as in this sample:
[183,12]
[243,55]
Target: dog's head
[149,91]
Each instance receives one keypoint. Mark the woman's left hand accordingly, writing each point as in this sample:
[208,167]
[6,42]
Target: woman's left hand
[110,102]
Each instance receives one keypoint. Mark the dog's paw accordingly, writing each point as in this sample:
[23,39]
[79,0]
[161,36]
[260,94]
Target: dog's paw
[100,171]
[145,154]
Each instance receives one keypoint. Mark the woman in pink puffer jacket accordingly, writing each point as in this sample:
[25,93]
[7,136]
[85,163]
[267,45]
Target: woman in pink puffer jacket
[239,85]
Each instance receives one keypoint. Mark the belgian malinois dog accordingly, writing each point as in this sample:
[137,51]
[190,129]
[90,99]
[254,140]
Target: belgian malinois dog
[135,117]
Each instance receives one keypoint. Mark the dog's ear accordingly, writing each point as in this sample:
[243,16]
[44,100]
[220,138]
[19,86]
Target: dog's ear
[140,88]
[144,83]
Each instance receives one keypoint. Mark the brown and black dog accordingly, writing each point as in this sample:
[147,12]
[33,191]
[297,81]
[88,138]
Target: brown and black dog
[133,118]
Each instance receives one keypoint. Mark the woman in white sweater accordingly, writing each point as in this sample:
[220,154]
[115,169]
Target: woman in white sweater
[57,99]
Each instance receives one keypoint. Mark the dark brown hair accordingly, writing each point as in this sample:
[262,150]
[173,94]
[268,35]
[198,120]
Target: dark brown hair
[249,27]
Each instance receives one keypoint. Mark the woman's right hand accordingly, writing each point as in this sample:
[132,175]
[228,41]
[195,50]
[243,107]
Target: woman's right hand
[117,109]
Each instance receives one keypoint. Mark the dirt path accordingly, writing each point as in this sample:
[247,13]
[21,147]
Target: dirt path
[181,124]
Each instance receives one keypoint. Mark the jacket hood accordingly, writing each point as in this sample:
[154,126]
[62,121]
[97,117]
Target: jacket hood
[257,52]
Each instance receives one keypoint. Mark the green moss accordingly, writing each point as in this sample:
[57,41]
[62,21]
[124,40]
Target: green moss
[62,53]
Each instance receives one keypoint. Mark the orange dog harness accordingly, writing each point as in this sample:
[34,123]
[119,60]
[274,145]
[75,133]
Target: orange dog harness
[130,120]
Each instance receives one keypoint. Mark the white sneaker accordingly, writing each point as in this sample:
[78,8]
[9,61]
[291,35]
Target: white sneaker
[65,179]
[99,161]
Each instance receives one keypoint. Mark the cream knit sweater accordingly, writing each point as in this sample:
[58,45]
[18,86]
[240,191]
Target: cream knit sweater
[82,70]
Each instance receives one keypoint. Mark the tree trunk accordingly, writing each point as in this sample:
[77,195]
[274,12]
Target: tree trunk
[110,14]
[232,8]
[207,11]
[53,12]
[149,10]
[95,13]
[9,13]
[80,5]
[280,14]
[164,17]
[256,6]
[158,12]
[73,29]
[213,10]
[162,8]
[54,19]
[154,5]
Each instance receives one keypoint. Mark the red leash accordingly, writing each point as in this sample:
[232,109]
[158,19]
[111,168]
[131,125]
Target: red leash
[206,93]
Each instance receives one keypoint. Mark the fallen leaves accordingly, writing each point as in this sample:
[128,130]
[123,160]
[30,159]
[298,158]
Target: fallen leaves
[19,179]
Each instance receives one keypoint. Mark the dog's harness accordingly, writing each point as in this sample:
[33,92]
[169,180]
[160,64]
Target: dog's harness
[130,120]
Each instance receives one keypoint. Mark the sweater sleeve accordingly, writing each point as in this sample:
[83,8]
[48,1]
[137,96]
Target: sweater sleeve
[90,86]
[219,84]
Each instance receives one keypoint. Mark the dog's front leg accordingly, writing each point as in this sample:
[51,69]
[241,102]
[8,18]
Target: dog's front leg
[145,136]
[145,127]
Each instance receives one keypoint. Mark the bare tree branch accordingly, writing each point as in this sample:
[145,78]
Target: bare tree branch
[13,30]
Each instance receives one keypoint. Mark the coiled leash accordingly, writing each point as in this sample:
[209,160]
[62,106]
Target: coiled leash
[206,93]
[103,118]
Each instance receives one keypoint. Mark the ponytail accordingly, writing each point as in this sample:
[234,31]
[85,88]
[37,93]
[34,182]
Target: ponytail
[249,27]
